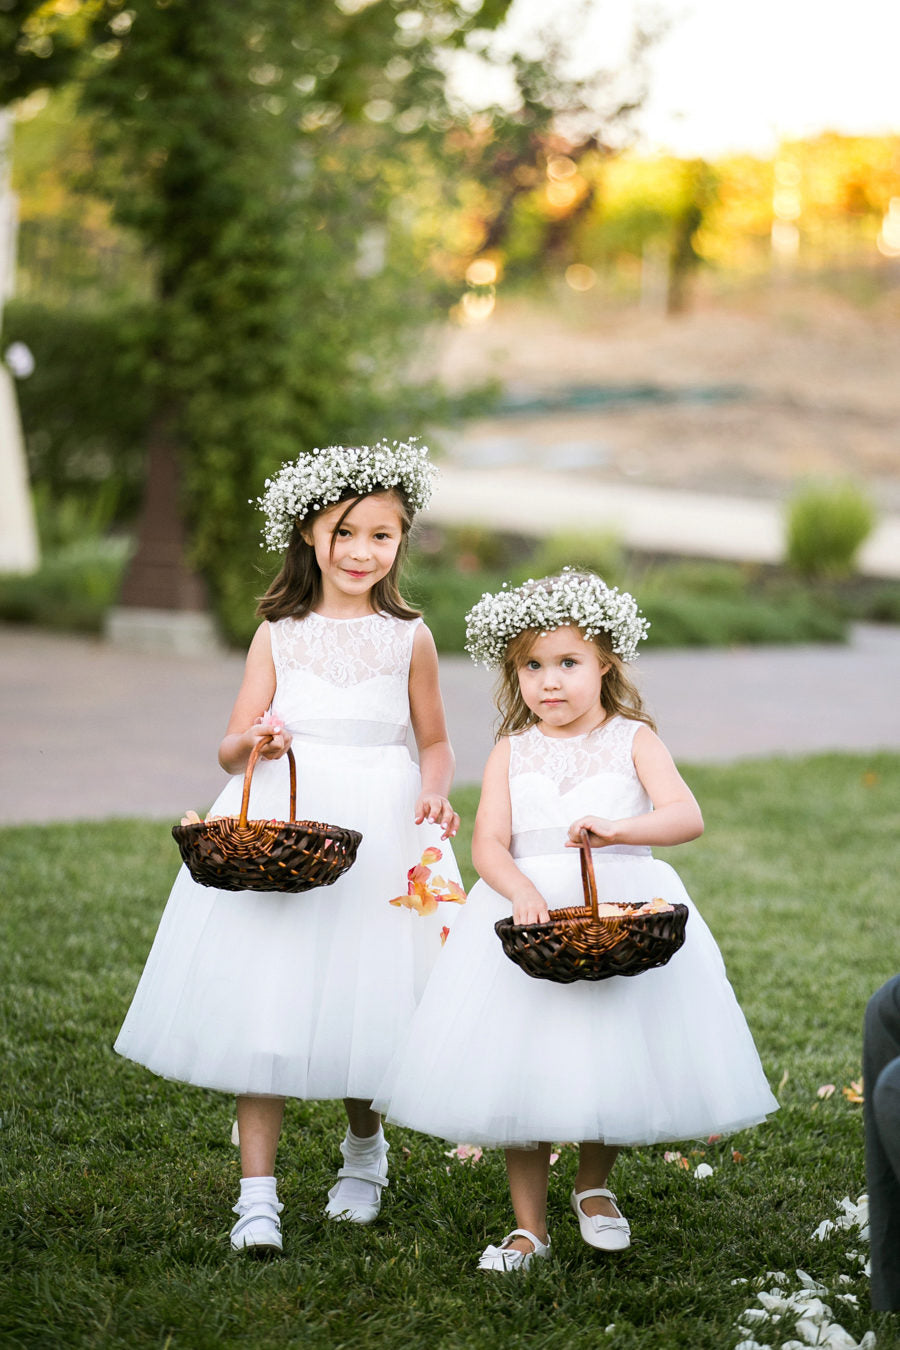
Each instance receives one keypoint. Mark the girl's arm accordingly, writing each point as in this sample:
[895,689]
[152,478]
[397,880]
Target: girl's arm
[254,697]
[436,759]
[675,817]
[490,842]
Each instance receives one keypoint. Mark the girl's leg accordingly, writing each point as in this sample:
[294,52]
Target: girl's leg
[528,1170]
[258,1227]
[363,1121]
[595,1162]
[357,1194]
[259,1125]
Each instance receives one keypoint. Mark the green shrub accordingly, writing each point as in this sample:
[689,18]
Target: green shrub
[596,552]
[72,589]
[827,524]
[85,408]
[445,596]
[685,620]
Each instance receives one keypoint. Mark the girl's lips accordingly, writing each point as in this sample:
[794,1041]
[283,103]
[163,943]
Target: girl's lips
[356,575]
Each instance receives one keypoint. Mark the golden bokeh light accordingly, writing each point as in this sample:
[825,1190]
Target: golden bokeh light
[888,241]
[476,307]
[561,167]
[563,194]
[481,272]
[580,277]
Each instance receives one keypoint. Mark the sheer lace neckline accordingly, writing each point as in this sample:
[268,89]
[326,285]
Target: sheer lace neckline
[333,618]
[581,735]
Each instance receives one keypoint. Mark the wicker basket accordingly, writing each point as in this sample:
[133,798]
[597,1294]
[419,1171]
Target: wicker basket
[580,944]
[264,855]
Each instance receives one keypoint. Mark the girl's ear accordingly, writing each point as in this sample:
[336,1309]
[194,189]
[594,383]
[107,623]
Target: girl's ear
[306,535]
[604,669]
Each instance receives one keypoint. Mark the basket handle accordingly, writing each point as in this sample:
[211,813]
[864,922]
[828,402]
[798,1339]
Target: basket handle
[248,775]
[588,880]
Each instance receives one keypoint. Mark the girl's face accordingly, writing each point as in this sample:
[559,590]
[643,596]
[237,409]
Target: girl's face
[560,679]
[360,553]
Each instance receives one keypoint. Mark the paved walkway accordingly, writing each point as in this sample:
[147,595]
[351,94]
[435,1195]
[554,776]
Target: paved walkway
[89,731]
[658,520]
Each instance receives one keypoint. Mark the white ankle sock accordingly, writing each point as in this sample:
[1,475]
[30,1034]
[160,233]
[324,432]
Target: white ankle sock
[258,1191]
[367,1149]
[370,1154]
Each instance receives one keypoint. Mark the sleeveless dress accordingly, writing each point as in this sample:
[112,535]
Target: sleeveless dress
[495,1056]
[308,995]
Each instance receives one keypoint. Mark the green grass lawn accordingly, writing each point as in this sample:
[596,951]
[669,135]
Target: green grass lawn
[117,1185]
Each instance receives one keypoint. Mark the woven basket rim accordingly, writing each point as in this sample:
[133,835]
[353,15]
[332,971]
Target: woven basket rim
[579,913]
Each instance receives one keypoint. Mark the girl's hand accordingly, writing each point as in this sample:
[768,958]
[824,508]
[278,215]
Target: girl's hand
[600,830]
[431,806]
[529,906]
[271,729]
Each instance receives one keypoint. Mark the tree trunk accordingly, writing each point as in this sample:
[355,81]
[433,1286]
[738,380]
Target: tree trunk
[159,576]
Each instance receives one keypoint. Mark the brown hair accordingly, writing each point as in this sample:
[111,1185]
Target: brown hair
[298,587]
[618,695]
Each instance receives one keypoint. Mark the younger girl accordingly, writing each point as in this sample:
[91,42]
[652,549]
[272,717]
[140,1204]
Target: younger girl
[496,1057]
[271,995]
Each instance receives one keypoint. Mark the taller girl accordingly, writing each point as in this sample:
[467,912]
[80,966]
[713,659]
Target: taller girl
[268,995]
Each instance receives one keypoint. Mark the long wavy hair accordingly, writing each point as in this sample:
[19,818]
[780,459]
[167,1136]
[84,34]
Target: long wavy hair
[298,587]
[618,694]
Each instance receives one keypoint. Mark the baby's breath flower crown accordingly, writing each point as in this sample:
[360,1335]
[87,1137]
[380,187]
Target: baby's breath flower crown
[316,480]
[577,598]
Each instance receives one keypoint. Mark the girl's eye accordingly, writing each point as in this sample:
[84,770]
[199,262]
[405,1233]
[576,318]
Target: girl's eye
[569,661]
[532,665]
[343,533]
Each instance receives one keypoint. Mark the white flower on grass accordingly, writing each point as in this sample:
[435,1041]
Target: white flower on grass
[855,1215]
[805,1307]
[702,1170]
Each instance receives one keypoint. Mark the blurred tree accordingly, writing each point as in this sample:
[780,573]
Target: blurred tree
[42,40]
[267,156]
[699,190]
[244,146]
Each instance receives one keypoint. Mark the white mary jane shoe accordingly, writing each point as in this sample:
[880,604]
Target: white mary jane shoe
[599,1230]
[258,1230]
[342,1207]
[505,1258]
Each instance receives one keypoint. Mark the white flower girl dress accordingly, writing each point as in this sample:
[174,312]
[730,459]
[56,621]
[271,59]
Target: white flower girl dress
[495,1056]
[308,995]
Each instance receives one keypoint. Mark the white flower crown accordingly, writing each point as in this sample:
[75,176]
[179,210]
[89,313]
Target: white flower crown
[577,598]
[315,480]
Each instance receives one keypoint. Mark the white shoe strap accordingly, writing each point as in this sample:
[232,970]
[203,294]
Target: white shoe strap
[523,1232]
[363,1174]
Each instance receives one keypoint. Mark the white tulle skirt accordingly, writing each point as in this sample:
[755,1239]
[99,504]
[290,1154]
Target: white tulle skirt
[297,995]
[494,1056]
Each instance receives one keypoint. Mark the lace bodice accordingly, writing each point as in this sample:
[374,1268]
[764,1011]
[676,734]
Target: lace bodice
[343,669]
[553,780]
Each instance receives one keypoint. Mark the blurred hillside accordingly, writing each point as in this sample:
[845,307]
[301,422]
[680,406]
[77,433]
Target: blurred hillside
[746,393]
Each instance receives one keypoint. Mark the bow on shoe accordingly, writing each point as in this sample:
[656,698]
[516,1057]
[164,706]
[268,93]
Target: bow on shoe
[506,1258]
